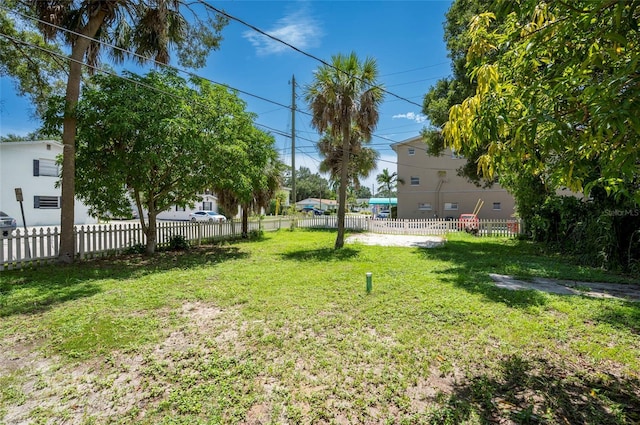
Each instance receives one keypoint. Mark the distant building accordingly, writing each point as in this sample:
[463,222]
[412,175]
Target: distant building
[379,204]
[319,203]
[432,187]
[31,166]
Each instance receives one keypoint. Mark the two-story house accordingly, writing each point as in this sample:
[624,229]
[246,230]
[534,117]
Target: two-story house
[31,166]
[432,187]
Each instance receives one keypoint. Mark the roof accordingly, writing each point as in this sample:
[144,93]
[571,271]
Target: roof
[394,146]
[383,201]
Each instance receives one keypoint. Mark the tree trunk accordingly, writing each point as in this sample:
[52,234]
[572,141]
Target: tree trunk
[245,221]
[67,213]
[342,191]
[150,232]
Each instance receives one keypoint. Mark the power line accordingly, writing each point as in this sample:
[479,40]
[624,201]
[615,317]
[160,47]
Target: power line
[291,46]
[147,59]
[276,131]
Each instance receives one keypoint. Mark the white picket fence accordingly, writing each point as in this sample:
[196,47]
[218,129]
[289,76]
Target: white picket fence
[40,246]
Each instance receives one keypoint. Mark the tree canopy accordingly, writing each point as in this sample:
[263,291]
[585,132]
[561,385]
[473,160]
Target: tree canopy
[557,94]
[137,29]
[344,99]
[158,140]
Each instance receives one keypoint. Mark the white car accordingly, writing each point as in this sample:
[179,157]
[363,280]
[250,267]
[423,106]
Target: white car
[210,216]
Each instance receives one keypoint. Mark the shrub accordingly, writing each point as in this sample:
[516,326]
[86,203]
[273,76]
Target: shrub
[179,243]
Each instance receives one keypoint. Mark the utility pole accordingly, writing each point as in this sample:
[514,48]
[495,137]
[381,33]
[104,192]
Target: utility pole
[293,140]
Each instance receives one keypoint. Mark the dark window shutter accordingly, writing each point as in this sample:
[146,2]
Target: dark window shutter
[36,202]
[36,167]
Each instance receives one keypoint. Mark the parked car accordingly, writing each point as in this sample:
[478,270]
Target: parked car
[7,224]
[313,210]
[384,214]
[210,216]
[469,223]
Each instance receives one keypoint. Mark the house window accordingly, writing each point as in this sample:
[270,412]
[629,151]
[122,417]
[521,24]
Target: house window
[207,205]
[46,202]
[45,167]
[497,206]
[424,206]
[412,151]
[179,208]
[451,206]
[415,181]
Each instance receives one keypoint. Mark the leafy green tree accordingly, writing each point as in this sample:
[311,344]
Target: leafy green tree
[555,93]
[156,140]
[151,28]
[363,192]
[555,103]
[36,66]
[344,99]
[388,183]
[310,185]
[253,175]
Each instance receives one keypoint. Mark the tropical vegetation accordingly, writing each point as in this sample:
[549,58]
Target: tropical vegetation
[152,29]
[551,98]
[344,99]
[160,141]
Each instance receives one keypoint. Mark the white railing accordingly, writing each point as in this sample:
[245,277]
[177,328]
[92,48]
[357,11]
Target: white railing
[40,246]
[436,226]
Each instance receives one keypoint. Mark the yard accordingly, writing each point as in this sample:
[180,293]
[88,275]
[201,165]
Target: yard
[281,330]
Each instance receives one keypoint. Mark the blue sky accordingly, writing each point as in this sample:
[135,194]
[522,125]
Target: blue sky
[404,37]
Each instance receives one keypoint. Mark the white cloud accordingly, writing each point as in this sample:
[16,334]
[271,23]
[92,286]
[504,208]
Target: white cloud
[419,118]
[297,29]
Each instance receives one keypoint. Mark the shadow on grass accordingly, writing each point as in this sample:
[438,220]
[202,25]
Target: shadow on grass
[535,391]
[468,264]
[322,254]
[32,291]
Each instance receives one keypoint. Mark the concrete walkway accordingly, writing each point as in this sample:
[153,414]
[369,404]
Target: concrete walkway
[568,287]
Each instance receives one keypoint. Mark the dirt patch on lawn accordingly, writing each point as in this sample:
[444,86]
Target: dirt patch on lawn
[380,239]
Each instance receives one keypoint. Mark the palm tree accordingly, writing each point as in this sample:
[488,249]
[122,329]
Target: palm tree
[362,160]
[148,28]
[388,183]
[344,100]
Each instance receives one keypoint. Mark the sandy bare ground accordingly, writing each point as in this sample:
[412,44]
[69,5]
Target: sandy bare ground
[397,240]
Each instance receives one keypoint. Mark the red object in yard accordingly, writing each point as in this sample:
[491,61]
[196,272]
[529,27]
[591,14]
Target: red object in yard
[469,223]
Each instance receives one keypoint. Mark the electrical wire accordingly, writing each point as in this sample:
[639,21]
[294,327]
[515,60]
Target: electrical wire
[101,70]
[291,46]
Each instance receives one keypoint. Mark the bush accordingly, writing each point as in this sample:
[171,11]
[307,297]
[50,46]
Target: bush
[179,243]
[136,249]
[596,233]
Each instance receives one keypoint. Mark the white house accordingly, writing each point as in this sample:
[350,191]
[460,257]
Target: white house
[31,166]
[208,202]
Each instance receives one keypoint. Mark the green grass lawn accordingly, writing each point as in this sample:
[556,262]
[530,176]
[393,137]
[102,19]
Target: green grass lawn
[281,330]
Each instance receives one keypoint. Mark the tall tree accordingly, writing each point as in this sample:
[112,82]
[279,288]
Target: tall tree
[362,159]
[255,177]
[151,28]
[153,139]
[309,185]
[35,65]
[388,183]
[344,98]
[557,94]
